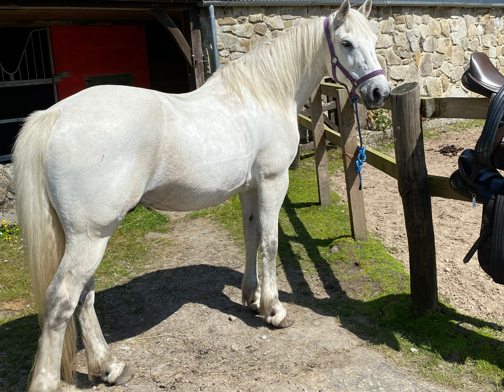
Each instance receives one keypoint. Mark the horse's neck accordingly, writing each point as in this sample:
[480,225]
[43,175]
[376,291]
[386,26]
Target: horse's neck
[314,69]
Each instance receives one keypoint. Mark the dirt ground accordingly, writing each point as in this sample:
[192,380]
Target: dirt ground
[456,228]
[181,326]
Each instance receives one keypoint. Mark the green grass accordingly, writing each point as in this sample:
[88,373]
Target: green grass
[369,290]
[126,257]
[463,125]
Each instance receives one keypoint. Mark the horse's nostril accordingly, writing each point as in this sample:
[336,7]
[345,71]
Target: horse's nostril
[377,95]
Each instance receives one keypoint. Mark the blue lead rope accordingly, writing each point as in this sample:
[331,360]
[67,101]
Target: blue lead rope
[361,150]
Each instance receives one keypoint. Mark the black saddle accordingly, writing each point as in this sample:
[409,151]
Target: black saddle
[477,177]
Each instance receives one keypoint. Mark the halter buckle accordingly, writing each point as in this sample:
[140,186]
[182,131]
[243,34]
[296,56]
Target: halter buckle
[334,60]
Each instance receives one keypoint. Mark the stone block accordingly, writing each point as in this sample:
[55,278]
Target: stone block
[489,26]
[257,40]
[429,45]
[425,66]
[501,60]
[445,82]
[445,27]
[387,26]
[462,28]
[399,18]
[434,86]
[410,22]
[375,26]
[224,53]
[243,30]
[392,57]
[488,40]
[416,57]
[260,28]
[401,28]
[398,72]
[437,60]
[447,68]
[229,41]
[455,38]
[470,20]
[453,25]
[384,41]
[480,30]
[400,39]
[492,52]
[426,18]
[449,51]
[474,45]
[457,73]
[441,46]
[227,21]
[274,22]
[383,64]
[435,28]
[223,61]
[413,41]
[424,31]
[242,19]
[471,32]
[458,55]
[256,18]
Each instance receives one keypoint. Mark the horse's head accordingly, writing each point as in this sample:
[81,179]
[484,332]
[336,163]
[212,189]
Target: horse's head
[356,64]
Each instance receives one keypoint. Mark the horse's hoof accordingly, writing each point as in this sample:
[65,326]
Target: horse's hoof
[125,376]
[255,307]
[285,323]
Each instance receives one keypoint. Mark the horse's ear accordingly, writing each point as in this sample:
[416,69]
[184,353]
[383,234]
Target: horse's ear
[343,12]
[365,9]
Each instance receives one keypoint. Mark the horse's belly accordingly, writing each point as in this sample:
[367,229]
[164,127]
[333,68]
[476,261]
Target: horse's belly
[194,192]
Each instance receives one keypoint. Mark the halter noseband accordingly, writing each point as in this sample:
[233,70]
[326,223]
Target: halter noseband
[335,63]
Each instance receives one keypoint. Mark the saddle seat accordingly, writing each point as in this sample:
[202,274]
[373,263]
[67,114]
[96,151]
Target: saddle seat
[482,77]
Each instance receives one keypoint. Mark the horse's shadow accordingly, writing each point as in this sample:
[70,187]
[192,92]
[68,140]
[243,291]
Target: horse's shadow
[128,310]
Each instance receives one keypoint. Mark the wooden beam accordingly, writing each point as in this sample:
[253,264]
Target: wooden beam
[176,34]
[455,107]
[198,71]
[414,189]
[91,4]
[319,144]
[348,129]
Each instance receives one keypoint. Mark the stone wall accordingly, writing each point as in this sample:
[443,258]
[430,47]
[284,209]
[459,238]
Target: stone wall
[430,45]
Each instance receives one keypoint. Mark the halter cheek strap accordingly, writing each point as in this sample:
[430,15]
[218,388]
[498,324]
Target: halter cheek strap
[335,63]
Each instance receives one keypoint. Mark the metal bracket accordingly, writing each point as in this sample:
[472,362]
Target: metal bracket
[61,75]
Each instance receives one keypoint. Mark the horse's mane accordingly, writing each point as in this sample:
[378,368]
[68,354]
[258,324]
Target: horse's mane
[272,71]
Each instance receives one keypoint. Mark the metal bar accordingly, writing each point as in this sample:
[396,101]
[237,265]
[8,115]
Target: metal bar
[386,3]
[12,120]
[27,67]
[5,158]
[30,82]
[51,60]
[34,60]
[41,53]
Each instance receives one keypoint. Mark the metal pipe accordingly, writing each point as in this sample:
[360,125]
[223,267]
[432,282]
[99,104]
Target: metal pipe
[399,3]
[215,51]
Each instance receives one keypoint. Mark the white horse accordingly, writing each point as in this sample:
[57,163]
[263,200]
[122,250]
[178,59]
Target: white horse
[82,164]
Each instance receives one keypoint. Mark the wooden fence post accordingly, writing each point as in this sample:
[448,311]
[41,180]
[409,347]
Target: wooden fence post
[414,189]
[319,145]
[348,131]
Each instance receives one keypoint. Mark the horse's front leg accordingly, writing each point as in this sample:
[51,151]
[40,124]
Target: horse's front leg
[100,360]
[251,289]
[271,195]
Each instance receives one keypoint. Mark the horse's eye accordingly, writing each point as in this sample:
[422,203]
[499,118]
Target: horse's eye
[347,44]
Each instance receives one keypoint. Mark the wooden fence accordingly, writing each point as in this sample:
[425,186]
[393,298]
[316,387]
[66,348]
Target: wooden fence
[415,186]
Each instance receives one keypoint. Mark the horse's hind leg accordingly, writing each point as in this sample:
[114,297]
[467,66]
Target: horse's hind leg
[100,360]
[271,195]
[82,257]
[251,290]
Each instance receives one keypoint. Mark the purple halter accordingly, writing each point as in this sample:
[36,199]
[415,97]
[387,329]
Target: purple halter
[335,63]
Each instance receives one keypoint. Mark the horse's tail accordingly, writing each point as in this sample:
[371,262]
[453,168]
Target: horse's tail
[43,236]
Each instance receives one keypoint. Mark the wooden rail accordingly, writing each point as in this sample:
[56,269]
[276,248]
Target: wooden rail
[413,181]
[471,108]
